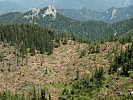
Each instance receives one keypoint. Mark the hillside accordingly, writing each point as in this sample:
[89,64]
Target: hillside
[7,18]
[49,17]
[110,15]
[83,14]
[47,56]
[114,14]
[54,71]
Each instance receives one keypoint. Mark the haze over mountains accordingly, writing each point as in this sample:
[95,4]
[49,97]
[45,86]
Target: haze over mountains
[109,10]
[73,20]
[112,14]
[25,5]
[51,18]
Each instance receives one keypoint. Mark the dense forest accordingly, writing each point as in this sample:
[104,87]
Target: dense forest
[88,30]
[123,63]
[31,36]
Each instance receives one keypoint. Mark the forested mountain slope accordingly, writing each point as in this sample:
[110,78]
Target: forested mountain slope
[110,15]
[50,18]
[7,18]
[83,14]
[69,68]
[123,26]
[32,37]
[47,56]
[53,63]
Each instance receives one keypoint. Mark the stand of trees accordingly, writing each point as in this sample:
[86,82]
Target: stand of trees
[126,38]
[31,37]
[33,95]
[84,88]
[123,63]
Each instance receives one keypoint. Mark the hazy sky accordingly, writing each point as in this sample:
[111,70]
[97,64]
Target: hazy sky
[99,5]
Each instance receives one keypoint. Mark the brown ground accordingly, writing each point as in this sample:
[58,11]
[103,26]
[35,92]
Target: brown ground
[61,66]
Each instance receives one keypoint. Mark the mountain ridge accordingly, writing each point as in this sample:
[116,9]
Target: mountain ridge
[49,17]
[111,15]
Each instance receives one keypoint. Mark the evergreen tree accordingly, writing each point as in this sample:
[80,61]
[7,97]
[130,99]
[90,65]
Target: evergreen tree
[43,97]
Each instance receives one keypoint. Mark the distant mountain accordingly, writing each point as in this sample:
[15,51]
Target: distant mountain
[83,14]
[49,17]
[9,6]
[116,14]
[111,15]
[16,5]
[75,9]
[9,17]
[74,4]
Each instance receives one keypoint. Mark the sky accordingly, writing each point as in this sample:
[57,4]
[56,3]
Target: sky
[98,5]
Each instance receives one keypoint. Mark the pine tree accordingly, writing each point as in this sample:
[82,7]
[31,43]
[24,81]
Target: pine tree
[34,94]
[77,74]
[43,95]
[32,49]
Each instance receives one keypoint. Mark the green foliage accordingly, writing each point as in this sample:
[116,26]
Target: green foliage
[1,57]
[94,48]
[9,96]
[31,36]
[43,95]
[126,38]
[131,75]
[32,49]
[99,74]
[123,62]
[87,30]
[82,53]
[84,87]
[33,95]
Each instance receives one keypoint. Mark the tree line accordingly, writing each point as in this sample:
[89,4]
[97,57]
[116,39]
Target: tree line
[31,38]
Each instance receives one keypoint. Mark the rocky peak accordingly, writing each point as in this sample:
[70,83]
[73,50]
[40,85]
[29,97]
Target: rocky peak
[50,11]
[34,13]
